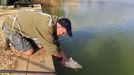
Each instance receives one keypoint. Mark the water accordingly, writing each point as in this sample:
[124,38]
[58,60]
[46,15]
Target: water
[103,37]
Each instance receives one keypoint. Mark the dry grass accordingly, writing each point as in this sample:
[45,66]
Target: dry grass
[8,56]
[7,59]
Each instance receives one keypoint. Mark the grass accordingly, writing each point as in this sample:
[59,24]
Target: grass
[8,56]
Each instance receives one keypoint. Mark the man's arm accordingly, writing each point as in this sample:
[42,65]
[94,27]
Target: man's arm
[60,56]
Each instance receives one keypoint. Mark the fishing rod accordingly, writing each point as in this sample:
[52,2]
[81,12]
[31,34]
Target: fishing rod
[30,72]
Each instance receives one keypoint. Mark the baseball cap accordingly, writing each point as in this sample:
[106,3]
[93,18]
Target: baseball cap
[66,23]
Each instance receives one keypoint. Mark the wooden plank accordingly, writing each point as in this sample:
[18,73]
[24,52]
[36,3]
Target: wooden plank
[21,65]
[41,63]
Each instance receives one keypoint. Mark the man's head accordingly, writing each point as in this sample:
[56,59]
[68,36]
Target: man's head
[64,27]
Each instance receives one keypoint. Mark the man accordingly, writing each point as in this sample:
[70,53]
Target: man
[27,29]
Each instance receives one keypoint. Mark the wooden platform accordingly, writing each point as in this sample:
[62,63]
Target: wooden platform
[37,64]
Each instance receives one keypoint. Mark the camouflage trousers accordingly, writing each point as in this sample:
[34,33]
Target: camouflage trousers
[18,41]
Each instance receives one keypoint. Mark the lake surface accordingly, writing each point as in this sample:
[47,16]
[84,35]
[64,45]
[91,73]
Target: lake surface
[103,37]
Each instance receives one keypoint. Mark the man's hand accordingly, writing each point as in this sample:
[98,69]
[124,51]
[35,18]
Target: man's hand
[61,57]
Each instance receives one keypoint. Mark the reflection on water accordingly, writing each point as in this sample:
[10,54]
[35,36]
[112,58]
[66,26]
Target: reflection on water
[103,37]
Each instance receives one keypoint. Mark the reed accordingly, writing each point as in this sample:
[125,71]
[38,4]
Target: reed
[48,2]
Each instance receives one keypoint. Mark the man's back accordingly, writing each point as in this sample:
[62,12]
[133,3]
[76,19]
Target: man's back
[33,25]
